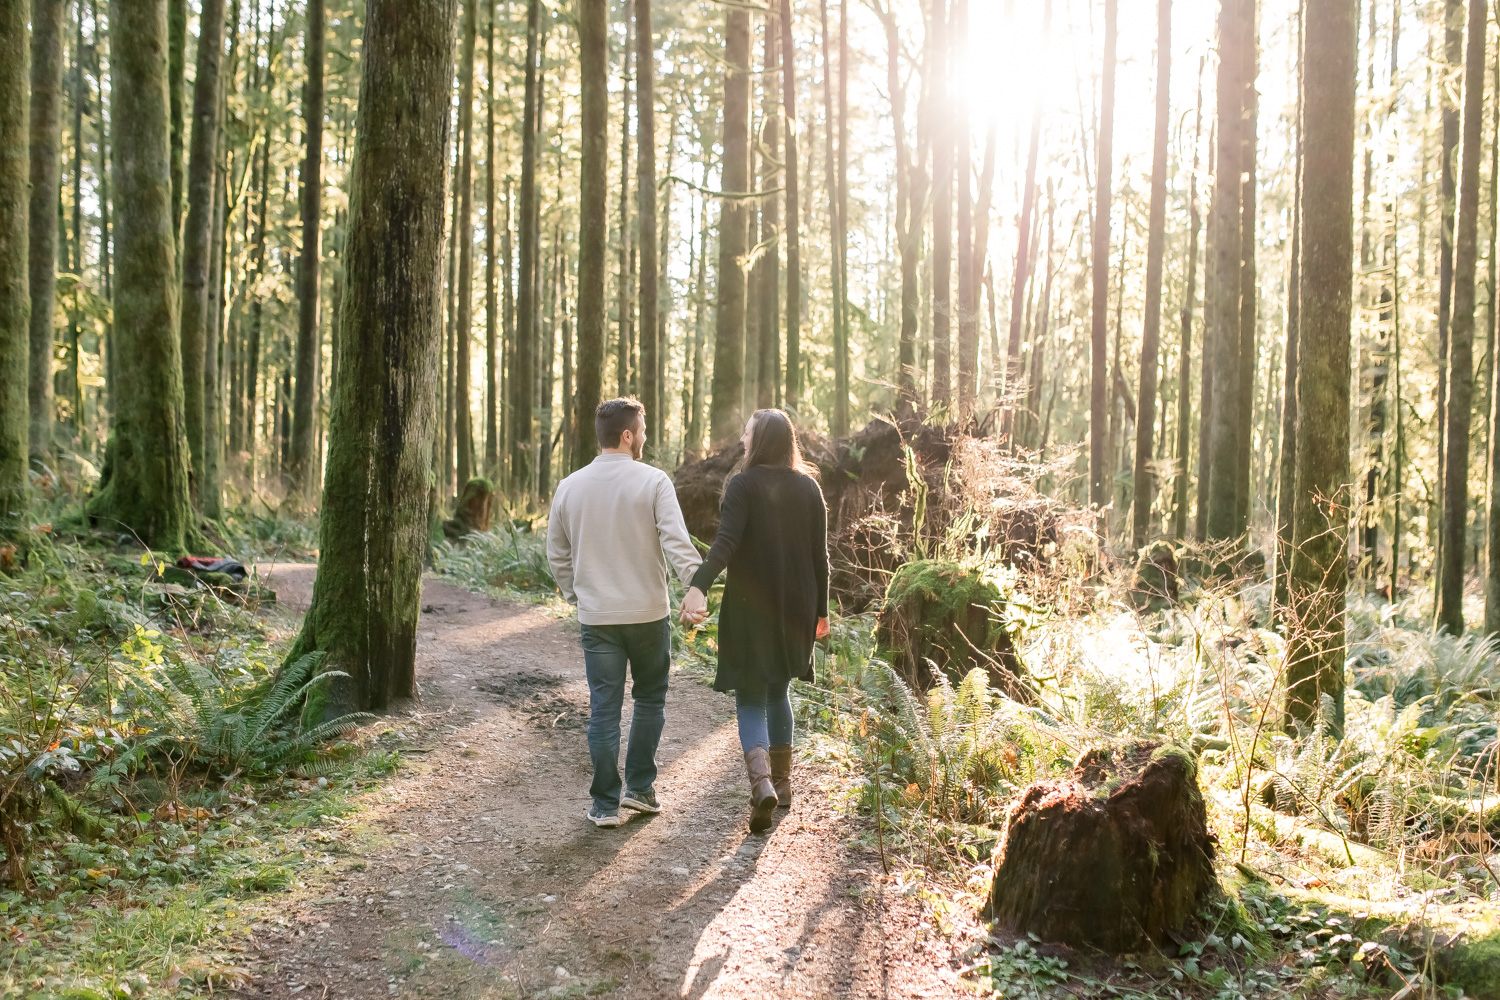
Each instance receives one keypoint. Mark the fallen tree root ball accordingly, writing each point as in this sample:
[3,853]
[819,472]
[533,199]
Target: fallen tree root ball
[1116,857]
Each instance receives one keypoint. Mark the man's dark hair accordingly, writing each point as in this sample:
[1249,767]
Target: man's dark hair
[614,417]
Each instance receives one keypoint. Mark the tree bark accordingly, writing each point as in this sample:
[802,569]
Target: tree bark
[523,366]
[768,268]
[729,320]
[839,216]
[1450,613]
[593,228]
[147,493]
[491,246]
[15,292]
[1011,373]
[648,288]
[1453,53]
[1100,467]
[197,238]
[46,178]
[304,464]
[177,18]
[1319,571]
[1155,249]
[373,530]
[1185,357]
[624,324]
[1249,295]
[1287,489]
[942,205]
[793,209]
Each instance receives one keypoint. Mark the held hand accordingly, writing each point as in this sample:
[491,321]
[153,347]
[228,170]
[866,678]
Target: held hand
[694,607]
[822,632]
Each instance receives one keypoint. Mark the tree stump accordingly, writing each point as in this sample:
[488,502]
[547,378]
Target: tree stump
[1156,582]
[1115,858]
[939,615]
[476,505]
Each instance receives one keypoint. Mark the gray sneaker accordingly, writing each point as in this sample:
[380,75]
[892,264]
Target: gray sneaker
[643,802]
[604,820]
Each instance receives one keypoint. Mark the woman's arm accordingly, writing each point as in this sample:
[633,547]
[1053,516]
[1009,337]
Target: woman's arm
[733,515]
[820,549]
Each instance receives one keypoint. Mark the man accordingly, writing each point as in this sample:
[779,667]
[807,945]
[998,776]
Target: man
[611,523]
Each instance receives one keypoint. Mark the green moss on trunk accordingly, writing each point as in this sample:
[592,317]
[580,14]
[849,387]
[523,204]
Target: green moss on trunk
[15,295]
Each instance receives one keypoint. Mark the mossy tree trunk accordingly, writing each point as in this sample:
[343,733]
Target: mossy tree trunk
[648,288]
[46,167]
[309,270]
[463,416]
[1319,569]
[734,231]
[1455,523]
[177,18]
[15,292]
[373,531]
[1100,463]
[197,245]
[593,229]
[523,346]
[147,492]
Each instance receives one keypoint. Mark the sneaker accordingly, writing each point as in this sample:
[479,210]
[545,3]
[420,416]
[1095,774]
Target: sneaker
[603,820]
[644,802]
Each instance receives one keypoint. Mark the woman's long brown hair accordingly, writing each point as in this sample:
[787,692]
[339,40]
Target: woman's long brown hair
[773,441]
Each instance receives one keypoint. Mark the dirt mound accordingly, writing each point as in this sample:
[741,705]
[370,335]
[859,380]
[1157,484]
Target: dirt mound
[894,492]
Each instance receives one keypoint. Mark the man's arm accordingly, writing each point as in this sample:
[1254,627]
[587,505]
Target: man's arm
[672,530]
[560,549]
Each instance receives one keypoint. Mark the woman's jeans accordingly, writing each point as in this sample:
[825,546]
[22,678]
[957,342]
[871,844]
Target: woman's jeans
[765,716]
[607,650]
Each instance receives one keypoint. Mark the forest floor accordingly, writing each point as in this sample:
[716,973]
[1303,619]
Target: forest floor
[472,871]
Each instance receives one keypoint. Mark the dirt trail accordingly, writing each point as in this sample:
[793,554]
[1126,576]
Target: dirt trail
[476,875]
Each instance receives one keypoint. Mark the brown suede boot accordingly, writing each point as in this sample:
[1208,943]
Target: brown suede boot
[781,774]
[762,792]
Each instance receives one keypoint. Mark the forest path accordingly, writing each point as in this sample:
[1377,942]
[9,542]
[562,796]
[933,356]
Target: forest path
[473,873]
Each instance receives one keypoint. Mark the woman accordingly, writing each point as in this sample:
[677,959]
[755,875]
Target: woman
[773,528]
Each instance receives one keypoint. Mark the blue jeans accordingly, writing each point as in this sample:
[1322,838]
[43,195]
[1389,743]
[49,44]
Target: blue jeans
[607,651]
[764,715]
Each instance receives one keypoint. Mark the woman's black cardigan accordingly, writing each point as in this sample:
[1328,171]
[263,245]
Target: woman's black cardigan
[773,537]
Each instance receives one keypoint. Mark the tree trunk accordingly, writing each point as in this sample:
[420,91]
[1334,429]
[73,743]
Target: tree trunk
[729,320]
[1155,248]
[197,238]
[649,287]
[523,355]
[147,493]
[1100,475]
[304,464]
[46,177]
[15,293]
[177,18]
[1450,612]
[793,208]
[622,283]
[1007,383]
[491,245]
[1248,293]
[463,412]
[1185,357]
[1222,309]
[593,228]
[1287,489]
[1453,51]
[968,300]
[768,268]
[1319,572]
[373,530]
[840,420]
[942,204]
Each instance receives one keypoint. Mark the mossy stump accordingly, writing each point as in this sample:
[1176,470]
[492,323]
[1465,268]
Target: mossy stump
[942,616]
[1156,583]
[1116,857]
[473,511]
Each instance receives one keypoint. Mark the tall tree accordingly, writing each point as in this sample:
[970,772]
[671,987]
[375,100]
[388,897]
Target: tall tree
[491,246]
[1100,464]
[1319,571]
[1185,354]
[464,234]
[1287,468]
[1249,295]
[1155,249]
[648,289]
[177,19]
[46,177]
[15,292]
[1450,611]
[197,247]
[147,492]
[968,288]
[729,320]
[941,117]
[593,223]
[768,267]
[793,210]
[1011,373]
[373,530]
[304,471]
[1453,52]
[523,352]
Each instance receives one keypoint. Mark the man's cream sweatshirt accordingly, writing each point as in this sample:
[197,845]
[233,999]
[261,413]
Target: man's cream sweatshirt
[614,525]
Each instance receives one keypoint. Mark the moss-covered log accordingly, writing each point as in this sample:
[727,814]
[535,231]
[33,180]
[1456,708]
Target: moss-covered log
[1116,857]
[373,531]
[942,616]
[149,463]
